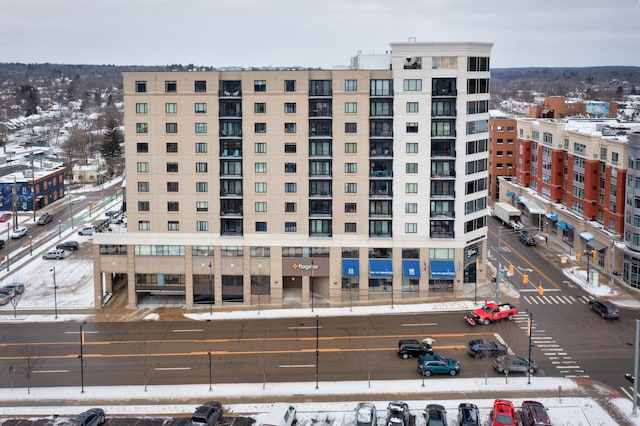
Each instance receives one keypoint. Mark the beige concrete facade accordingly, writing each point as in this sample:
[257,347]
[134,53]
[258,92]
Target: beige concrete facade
[294,187]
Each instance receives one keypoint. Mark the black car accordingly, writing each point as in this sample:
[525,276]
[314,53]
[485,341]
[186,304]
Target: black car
[605,308]
[2,243]
[398,414]
[435,415]
[527,240]
[533,413]
[208,414]
[412,347]
[91,417]
[468,414]
[482,348]
[44,219]
[68,245]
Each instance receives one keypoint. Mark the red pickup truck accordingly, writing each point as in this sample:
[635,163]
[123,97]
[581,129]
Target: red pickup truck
[491,312]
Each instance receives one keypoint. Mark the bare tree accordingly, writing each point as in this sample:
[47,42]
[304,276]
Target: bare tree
[29,364]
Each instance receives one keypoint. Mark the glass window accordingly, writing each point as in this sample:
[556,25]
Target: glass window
[261,226]
[201,127]
[290,107]
[141,86]
[200,108]
[289,127]
[142,108]
[172,147]
[351,85]
[260,147]
[410,228]
[259,107]
[259,86]
[173,226]
[201,167]
[290,227]
[350,127]
[143,167]
[173,206]
[351,167]
[289,85]
[350,148]
[202,186]
[172,167]
[411,188]
[290,187]
[142,128]
[261,186]
[350,107]
[412,167]
[290,167]
[201,147]
[412,127]
[171,108]
[202,225]
[411,207]
[170,86]
[260,127]
[142,147]
[290,148]
[350,207]
[412,147]
[143,206]
[261,206]
[412,106]
[350,227]
[143,186]
[350,187]
[290,207]
[200,86]
[172,186]
[202,206]
[144,225]
[171,127]
[261,167]
[412,85]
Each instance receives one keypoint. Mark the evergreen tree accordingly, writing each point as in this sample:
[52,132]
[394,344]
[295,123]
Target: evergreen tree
[111,147]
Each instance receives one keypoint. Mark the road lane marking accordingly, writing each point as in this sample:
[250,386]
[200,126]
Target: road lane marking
[296,365]
[303,327]
[171,368]
[419,325]
[50,371]
[186,330]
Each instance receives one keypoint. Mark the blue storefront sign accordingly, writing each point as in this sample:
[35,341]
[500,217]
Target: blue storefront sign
[411,268]
[380,268]
[350,268]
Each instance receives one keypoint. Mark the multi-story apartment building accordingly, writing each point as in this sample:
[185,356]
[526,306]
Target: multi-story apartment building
[502,151]
[291,187]
[572,173]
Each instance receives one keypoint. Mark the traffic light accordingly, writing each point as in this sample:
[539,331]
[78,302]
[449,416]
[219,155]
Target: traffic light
[630,378]
[525,278]
[511,268]
[579,256]
[595,254]
[540,290]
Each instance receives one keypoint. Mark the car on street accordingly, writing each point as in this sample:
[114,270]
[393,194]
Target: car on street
[18,232]
[468,414]
[87,230]
[17,288]
[434,364]
[514,363]
[435,415]
[412,348]
[6,297]
[44,219]
[54,254]
[486,348]
[604,308]
[208,414]
[527,240]
[534,413]
[366,414]
[5,217]
[68,245]
[398,414]
[91,417]
[503,413]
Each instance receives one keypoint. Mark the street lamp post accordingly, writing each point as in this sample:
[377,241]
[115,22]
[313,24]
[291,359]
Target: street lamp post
[59,230]
[55,293]
[317,348]
[30,246]
[589,253]
[210,374]
[211,284]
[82,356]
[311,285]
[529,369]
[613,265]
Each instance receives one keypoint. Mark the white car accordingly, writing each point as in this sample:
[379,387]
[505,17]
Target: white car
[54,254]
[87,230]
[18,232]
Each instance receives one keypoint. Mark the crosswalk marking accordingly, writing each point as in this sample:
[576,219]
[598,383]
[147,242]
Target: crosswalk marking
[557,299]
[628,392]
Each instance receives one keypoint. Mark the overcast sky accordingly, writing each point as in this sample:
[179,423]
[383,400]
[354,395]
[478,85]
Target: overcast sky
[314,33]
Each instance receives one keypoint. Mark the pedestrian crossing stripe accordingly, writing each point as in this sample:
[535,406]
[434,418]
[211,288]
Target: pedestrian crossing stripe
[556,299]
[628,392]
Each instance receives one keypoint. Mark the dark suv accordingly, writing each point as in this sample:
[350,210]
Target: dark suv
[605,308]
[208,414]
[411,347]
[534,413]
[398,414]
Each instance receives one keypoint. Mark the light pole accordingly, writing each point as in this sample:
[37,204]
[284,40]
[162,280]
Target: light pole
[30,246]
[311,287]
[589,253]
[497,278]
[59,230]
[613,265]
[210,374]
[317,349]
[82,356]
[211,284]
[55,293]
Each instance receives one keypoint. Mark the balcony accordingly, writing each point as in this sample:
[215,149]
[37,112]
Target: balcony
[231,227]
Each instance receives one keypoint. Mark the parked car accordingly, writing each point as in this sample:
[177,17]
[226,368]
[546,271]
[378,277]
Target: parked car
[605,308]
[434,364]
[482,348]
[91,417]
[366,414]
[54,254]
[527,240]
[17,288]
[280,415]
[398,414]
[5,217]
[5,298]
[18,232]
[44,219]
[411,347]
[509,363]
[468,414]
[208,414]
[503,413]
[2,243]
[87,230]
[435,415]
[533,413]
[68,245]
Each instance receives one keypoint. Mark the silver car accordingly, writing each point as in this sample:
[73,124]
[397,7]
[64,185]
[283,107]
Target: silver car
[54,254]
[509,363]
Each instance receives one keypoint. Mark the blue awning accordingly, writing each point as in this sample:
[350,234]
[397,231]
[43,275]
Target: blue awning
[350,268]
[442,269]
[569,227]
[552,217]
[587,236]
[380,268]
[510,194]
[564,226]
[411,268]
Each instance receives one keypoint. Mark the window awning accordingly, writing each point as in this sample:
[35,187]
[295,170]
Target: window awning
[442,269]
[531,206]
[587,236]
[510,194]
[411,268]
[562,225]
[350,268]
[596,245]
[569,227]
[552,217]
[380,268]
